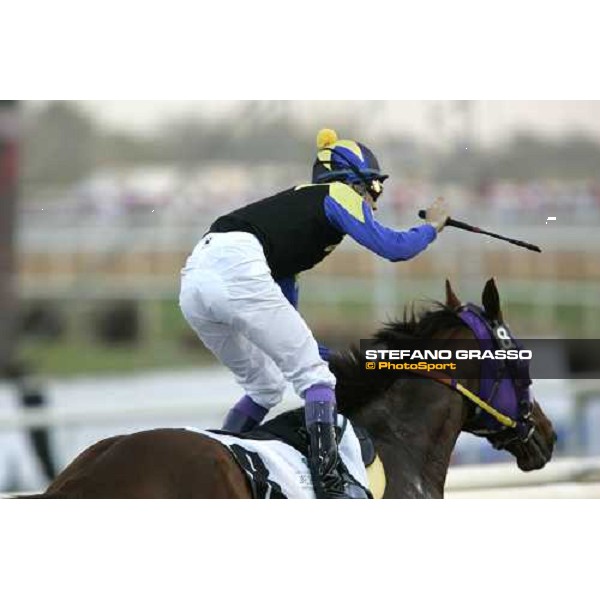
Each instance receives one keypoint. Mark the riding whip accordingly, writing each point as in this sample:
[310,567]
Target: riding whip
[460,225]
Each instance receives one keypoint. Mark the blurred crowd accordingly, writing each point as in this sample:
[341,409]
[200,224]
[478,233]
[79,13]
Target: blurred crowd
[207,193]
[508,199]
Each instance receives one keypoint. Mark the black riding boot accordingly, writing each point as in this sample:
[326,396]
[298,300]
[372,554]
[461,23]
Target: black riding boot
[320,417]
[323,461]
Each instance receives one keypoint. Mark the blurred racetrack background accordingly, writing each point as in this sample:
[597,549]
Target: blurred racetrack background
[100,203]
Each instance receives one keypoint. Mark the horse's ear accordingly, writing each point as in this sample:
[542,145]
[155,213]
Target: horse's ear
[491,300]
[451,300]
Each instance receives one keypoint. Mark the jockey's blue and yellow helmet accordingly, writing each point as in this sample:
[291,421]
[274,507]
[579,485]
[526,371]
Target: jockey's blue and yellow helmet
[344,160]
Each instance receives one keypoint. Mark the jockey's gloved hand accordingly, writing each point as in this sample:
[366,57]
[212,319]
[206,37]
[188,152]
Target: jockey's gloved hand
[320,417]
[437,214]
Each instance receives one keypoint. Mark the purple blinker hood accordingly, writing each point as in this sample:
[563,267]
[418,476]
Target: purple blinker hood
[504,383]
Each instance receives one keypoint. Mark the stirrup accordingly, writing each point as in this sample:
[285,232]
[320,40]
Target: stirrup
[338,487]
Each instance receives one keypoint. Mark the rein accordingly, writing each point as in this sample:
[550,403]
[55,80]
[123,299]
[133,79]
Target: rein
[468,394]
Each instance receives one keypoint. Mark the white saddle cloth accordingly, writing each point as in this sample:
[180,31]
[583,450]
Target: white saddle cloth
[288,470]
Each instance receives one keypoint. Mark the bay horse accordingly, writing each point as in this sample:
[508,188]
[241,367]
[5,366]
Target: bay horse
[414,423]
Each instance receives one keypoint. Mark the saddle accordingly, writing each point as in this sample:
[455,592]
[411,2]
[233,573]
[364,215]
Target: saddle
[290,429]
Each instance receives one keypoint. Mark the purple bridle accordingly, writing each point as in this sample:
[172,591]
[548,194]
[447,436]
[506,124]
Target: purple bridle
[505,384]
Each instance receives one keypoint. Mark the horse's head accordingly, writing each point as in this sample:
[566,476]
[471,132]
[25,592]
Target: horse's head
[504,385]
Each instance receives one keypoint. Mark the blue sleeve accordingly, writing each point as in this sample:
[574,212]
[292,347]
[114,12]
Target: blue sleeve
[289,288]
[324,352]
[386,242]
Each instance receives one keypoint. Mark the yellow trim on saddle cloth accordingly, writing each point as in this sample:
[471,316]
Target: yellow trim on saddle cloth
[376,477]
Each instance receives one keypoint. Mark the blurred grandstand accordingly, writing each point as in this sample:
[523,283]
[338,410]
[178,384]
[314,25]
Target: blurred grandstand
[106,218]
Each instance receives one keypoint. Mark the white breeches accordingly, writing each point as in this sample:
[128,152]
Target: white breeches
[230,299]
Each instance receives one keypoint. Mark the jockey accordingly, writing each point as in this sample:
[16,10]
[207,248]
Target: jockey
[239,293]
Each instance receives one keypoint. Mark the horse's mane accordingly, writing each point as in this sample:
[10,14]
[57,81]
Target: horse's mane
[355,385]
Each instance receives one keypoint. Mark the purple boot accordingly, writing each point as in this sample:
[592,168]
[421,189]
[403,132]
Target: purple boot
[244,416]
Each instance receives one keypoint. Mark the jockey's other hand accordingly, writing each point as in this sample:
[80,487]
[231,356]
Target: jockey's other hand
[437,214]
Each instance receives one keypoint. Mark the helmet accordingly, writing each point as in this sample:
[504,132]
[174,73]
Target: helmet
[344,160]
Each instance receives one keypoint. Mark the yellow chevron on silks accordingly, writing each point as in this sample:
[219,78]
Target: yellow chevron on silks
[376,477]
[345,196]
[350,145]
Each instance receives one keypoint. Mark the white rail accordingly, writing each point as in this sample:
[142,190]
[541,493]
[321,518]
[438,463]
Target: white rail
[560,490]
[40,417]
[464,479]
[562,478]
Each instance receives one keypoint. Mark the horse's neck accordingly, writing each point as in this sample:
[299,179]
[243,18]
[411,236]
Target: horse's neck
[414,427]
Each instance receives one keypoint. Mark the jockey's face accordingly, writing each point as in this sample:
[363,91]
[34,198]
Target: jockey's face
[371,201]
[369,197]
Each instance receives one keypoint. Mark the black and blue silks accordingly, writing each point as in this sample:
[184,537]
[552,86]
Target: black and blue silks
[356,220]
